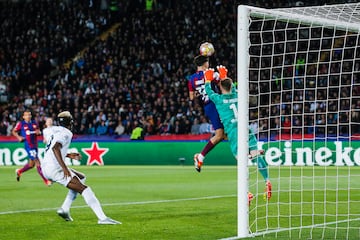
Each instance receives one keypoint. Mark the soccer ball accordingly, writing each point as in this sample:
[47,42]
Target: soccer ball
[207,49]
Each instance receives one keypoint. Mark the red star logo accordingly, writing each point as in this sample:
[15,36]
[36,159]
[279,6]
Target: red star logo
[95,154]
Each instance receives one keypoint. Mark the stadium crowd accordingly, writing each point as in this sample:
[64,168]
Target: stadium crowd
[120,64]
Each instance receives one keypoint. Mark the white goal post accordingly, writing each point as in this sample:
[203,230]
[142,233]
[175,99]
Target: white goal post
[300,70]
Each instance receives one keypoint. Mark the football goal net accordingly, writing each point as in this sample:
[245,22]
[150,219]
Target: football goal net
[300,68]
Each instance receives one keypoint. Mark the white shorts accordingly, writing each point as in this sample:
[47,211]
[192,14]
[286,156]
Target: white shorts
[56,174]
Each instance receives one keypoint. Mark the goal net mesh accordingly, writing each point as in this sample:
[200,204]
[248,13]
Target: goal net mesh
[304,106]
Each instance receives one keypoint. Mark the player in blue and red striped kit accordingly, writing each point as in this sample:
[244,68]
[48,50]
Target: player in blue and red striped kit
[27,131]
[196,85]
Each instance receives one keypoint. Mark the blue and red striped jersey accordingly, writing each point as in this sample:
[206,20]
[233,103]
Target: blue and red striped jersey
[28,131]
[196,83]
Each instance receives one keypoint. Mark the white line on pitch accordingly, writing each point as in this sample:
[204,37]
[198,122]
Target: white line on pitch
[264,233]
[122,204]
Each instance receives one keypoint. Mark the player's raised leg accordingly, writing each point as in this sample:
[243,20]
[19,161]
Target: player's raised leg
[39,170]
[214,140]
[20,171]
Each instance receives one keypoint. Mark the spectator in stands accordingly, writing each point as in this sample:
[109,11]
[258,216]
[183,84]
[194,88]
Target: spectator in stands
[309,124]
[10,128]
[205,126]
[91,129]
[82,130]
[111,127]
[101,129]
[120,129]
[180,126]
[3,128]
[297,125]
[101,117]
[275,126]
[195,128]
[286,125]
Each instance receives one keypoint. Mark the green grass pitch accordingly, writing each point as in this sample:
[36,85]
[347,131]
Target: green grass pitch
[152,202]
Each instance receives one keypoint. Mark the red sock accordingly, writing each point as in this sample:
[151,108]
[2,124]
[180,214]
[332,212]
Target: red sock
[207,148]
[40,173]
[25,168]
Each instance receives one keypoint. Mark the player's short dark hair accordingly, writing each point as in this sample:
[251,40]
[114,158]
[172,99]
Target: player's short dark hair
[200,60]
[27,111]
[226,83]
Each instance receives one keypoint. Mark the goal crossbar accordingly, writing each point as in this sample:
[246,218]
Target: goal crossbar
[343,20]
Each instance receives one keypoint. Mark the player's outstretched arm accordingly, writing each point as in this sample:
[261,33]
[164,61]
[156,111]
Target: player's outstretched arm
[76,156]
[209,75]
[222,72]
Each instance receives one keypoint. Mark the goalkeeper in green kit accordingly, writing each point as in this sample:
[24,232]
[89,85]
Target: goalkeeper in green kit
[226,105]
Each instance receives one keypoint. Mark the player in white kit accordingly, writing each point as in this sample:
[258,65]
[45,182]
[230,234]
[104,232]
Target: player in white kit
[54,169]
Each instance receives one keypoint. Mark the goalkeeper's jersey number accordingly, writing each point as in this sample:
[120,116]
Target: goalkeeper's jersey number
[235,111]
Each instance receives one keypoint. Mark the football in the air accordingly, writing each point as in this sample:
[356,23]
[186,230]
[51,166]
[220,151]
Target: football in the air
[207,49]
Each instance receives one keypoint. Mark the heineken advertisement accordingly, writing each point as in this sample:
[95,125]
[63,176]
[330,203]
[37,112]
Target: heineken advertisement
[287,153]
[308,153]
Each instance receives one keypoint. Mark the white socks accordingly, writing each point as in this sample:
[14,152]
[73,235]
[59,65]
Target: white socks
[70,197]
[93,203]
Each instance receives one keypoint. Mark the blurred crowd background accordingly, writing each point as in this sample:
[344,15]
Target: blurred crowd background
[120,64]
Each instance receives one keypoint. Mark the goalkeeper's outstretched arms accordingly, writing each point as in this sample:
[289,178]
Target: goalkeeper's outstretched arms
[225,83]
